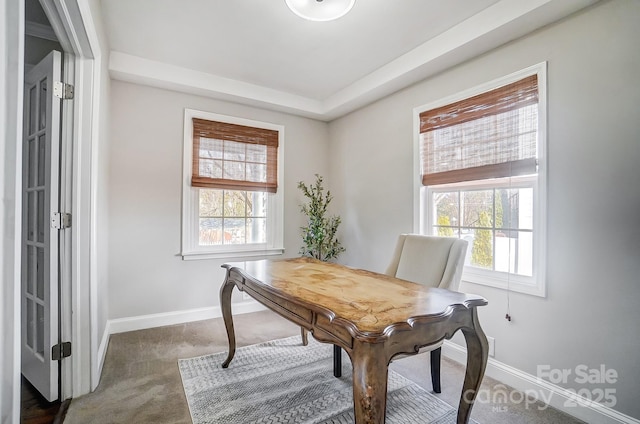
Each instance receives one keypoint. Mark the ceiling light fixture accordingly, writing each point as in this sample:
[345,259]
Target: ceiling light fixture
[320,10]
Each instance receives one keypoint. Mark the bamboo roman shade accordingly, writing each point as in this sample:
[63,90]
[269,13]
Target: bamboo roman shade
[491,135]
[234,157]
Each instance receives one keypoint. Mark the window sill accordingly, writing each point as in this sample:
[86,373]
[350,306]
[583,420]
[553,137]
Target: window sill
[231,254]
[530,288]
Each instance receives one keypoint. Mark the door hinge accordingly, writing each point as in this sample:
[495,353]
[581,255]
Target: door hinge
[60,221]
[62,90]
[61,351]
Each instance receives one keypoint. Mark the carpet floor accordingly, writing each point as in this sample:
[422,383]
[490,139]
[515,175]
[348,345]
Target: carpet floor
[141,380]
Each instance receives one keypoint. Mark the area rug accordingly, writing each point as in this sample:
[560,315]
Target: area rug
[282,381]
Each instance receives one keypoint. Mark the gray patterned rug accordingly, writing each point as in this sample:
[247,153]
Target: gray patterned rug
[284,382]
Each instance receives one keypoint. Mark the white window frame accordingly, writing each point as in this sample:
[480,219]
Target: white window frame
[424,221]
[191,249]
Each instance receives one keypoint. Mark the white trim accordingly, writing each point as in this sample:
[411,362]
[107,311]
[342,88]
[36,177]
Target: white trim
[190,199]
[142,322]
[92,122]
[586,410]
[232,254]
[102,349]
[66,205]
[138,70]
[11,107]
[38,30]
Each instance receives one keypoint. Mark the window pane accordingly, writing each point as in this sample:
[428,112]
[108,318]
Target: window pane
[477,208]
[514,208]
[210,233]
[234,231]
[256,153]
[32,109]
[210,203]
[256,204]
[446,211]
[40,329]
[257,172]
[482,248]
[524,254]
[31,268]
[31,321]
[210,148]
[233,170]
[514,252]
[31,179]
[234,151]
[256,230]
[40,264]
[211,168]
[234,204]
[41,222]
[42,146]
[31,209]
[42,120]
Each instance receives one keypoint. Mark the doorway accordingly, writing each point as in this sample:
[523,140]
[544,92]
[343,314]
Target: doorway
[40,252]
[74,24]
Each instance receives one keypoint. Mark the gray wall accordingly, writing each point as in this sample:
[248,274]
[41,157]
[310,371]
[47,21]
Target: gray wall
[592,308]
[146,273]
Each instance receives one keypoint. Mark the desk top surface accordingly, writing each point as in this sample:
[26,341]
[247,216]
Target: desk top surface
[369,300]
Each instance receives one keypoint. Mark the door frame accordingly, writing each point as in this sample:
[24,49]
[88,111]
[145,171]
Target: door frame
[73,24]
[11,103]
[74,27]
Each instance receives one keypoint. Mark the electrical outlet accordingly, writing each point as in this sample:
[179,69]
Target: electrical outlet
[492,346]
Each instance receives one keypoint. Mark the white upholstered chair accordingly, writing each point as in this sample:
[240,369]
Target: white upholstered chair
[434,262]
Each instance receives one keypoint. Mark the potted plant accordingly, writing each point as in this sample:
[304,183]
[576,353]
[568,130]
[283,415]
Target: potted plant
[319,236]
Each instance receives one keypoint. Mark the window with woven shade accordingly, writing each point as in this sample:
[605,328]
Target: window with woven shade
[481,177]
[234,157]
[232,205]
[489,135]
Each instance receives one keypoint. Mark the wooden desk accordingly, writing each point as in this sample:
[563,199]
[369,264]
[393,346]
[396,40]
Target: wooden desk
[371,316]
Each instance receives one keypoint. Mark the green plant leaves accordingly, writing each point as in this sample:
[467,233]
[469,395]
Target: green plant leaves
[319,237]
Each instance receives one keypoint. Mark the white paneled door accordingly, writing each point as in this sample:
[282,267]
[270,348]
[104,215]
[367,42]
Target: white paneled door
[40,280]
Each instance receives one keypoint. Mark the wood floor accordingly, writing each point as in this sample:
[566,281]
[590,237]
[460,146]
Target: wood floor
[35,409]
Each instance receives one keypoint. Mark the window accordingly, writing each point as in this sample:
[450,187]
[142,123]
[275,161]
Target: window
[481,164]
[232,204]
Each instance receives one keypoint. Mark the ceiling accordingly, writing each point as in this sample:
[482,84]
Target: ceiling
[258,52]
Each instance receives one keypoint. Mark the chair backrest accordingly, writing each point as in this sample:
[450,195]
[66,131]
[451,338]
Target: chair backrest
[429,260]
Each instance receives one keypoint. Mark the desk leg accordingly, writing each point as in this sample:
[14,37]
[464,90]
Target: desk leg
[477,355]
[225,305]
[370,369]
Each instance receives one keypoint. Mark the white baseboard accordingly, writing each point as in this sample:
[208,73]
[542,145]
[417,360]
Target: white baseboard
[142,322]
[102,353]
[556,396]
